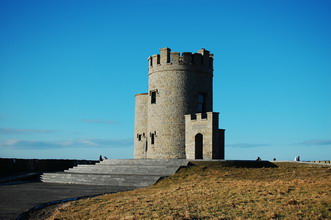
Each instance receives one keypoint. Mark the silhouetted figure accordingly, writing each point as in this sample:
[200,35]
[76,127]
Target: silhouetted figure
[100,158]
[105,158]
[258,159]
[274,159]
[297,158]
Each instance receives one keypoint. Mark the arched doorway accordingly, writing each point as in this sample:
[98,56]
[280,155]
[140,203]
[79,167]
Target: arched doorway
[198,146]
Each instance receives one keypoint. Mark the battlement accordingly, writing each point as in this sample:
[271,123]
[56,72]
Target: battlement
[166,58]
[198,117]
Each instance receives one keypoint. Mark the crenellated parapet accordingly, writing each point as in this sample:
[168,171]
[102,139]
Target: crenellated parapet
[208,119]
[201,61]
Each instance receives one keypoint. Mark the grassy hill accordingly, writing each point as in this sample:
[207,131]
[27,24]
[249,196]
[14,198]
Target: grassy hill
[213,190]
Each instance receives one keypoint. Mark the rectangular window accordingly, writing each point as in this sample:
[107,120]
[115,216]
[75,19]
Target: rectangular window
[201,103]
[153,97]
[139,137]
[152,138]
[158,59]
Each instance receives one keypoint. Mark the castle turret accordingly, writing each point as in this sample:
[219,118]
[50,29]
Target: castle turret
[178,85]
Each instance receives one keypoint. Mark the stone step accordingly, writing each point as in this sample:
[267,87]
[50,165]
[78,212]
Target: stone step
[120,169]
[94,179]
[101,181]
[103,165]
[96,176]
[149,162]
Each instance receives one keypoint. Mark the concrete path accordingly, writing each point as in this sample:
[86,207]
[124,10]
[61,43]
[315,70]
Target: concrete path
[20,197]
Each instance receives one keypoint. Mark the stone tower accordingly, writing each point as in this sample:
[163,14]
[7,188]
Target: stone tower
[178,85]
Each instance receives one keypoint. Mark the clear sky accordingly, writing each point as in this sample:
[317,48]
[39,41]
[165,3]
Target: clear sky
[69,70]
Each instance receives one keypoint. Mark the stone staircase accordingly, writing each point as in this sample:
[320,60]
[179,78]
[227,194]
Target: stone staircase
[124,174]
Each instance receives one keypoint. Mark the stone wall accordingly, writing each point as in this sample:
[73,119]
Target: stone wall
[10,166]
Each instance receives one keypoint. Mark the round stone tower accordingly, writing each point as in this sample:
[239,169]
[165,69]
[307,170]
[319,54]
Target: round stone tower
[177,85]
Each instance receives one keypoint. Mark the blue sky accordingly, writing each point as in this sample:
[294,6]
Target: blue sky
[69,70]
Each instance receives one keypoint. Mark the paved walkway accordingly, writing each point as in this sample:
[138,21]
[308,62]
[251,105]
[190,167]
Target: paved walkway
[20,197]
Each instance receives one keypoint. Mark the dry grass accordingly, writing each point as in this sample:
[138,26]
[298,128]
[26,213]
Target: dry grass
[212,191]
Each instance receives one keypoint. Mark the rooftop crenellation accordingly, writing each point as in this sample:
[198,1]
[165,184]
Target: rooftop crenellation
[202,116]
[201,59]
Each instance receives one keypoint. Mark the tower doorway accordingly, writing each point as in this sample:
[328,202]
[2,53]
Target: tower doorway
[198,146]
